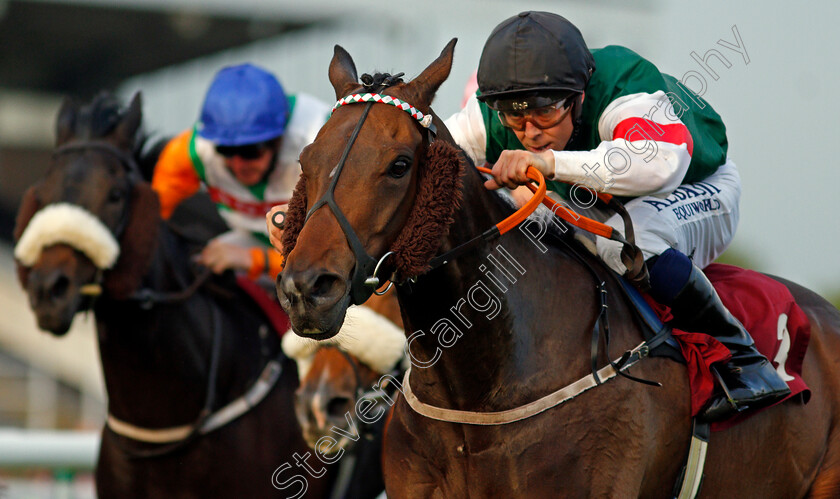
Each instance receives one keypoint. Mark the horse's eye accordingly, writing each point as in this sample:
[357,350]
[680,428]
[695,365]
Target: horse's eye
[399,167]
[115,194]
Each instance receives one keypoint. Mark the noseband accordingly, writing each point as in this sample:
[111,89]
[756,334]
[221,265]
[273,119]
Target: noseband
[129,165]
[365,280]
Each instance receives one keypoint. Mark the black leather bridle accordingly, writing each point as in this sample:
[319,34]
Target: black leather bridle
[364,280]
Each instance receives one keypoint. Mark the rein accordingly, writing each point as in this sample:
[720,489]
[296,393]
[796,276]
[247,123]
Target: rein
[365,280]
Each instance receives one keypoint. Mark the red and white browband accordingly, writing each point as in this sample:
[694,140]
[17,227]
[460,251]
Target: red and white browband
[424,119]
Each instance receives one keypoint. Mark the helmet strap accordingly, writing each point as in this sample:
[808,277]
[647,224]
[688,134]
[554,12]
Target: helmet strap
[577,113]
[275,155]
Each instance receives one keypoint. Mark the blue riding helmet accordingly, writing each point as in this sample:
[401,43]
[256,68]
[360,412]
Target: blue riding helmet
[245,104]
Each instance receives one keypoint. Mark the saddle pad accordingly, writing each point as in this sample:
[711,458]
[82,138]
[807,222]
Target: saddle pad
[767,309]
[270,307]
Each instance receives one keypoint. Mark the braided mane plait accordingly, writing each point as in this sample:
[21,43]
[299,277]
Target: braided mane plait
[380,79]
[438,197]
[295,216]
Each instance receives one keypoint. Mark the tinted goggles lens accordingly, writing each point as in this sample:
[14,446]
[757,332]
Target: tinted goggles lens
[540,117]
[249,151]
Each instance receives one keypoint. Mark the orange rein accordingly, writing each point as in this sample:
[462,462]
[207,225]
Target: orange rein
[558,209]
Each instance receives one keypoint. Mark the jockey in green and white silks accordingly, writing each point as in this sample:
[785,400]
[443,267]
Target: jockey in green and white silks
[609,120]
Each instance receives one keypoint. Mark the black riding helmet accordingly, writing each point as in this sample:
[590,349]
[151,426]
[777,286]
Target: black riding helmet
[532,60]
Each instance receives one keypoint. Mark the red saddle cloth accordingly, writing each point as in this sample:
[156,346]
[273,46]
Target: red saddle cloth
[270,307]
[780,329]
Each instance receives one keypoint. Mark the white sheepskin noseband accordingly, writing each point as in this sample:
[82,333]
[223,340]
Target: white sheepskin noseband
[71,225]
[370,337]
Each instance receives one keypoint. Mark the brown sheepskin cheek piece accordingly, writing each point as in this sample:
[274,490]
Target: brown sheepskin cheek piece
[438,198]
[295,216]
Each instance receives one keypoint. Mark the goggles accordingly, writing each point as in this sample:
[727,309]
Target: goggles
[248,151]
[541,117]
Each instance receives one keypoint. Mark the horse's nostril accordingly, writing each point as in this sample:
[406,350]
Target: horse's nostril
[324,284]
[59,287]
[337,406]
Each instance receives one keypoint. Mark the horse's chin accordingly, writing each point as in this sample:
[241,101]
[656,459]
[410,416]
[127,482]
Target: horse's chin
[57,322]
[320,324]
[312,436]
[55,314]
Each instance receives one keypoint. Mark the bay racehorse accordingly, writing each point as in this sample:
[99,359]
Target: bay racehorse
[335,375]
[174,352]
[497,325]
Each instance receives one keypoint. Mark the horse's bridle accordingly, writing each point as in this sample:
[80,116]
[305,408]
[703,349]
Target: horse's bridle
[94,288]
[364,280]
[360,392]
[126,160]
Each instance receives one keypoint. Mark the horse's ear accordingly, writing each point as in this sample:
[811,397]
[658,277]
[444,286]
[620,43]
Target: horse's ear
[342,72]
[66,121]
[126,130]
[29,205]
[423,88]
[137,243]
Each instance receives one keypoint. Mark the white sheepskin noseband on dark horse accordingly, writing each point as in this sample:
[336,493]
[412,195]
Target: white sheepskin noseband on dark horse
[71,225]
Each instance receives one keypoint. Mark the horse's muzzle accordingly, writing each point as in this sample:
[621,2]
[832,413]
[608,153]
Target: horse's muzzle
[54,298]
[314,300]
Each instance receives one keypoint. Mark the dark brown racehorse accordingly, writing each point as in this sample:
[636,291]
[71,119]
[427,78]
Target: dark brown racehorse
[173,352]
[508,322]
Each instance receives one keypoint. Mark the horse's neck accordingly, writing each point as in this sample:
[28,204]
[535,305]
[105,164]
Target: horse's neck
[495,318]
[165,351]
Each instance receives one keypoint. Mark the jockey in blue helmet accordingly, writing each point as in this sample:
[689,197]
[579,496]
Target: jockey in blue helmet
[244,150]
[610,120]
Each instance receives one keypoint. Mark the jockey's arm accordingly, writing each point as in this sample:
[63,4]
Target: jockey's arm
[175,178]
[641,152]
[219,256]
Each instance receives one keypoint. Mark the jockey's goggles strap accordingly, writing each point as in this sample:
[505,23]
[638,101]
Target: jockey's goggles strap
[425,120]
